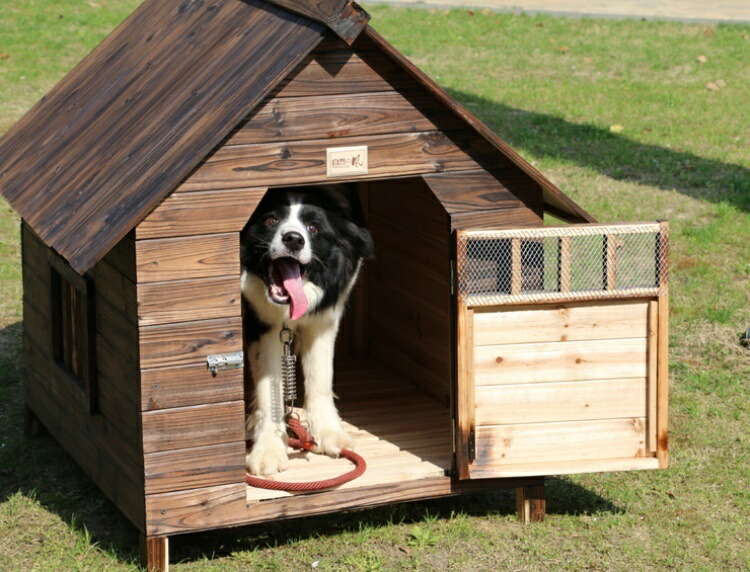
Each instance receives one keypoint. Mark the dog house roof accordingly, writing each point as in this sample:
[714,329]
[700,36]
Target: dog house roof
[117,135]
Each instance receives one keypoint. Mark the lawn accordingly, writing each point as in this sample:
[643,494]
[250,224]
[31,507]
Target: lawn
[636,121]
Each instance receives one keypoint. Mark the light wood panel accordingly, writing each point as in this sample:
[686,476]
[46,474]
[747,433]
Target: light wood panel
[556,361]
[561,323]
[192,257]
[188,343]
[189,300]
[543,468]
[561,401]
[300,162]
[503,445]
[195,426]
[204,212]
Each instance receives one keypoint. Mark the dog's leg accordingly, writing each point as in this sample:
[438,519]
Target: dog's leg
[265,424]
[317,347]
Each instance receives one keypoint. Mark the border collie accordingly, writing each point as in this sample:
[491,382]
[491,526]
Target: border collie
[301,254]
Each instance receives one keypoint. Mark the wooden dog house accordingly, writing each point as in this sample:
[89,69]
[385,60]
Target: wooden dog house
[482,349]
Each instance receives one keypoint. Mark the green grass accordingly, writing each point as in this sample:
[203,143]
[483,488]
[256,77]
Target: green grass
[553,88]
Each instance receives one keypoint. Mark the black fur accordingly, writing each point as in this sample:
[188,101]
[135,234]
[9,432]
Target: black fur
[341,241]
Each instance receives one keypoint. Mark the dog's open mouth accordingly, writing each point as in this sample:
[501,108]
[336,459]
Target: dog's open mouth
[285,285]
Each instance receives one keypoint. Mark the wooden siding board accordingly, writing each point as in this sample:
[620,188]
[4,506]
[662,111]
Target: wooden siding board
[337,116]
[135,116]
[197,467]
[300,162]
[195,426]
[168,387]
[189,300]
[206,256]
[209,212]
[188,343]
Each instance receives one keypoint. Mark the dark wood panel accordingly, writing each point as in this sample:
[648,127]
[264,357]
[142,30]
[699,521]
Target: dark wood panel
[474,190]
[565,206]
[122,257]
[137,115]
[409,284]
[195,426]
[493,220]
[198,467]
[344,71]
[299,162]
[203,256]
[116,289]
[189,342]
[336,116]
[214,507]
[208,212]
[188,300]
[168,387]
[106,456]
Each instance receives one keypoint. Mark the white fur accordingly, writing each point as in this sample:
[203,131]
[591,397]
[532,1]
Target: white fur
[315,338]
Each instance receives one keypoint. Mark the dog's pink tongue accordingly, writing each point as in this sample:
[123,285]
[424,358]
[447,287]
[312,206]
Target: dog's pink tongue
[292,279]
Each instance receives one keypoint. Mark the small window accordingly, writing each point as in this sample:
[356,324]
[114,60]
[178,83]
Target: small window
[72,328]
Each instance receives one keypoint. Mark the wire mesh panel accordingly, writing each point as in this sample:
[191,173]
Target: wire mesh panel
[581,262]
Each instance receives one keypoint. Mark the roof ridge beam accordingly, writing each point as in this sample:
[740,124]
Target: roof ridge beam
[345,18]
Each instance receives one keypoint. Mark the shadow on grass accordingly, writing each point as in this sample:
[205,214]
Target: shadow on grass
[613,155]
[39,469]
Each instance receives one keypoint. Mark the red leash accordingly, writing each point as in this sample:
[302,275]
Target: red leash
[304,442]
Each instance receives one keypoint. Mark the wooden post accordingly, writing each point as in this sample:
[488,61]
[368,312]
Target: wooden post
[155,553]
[516,266]
[610,262]
[662,383]
[652,375]
[531,504]
[32,425]
[564,264]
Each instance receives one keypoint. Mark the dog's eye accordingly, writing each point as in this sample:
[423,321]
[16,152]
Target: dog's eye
[312,228]
[272,221]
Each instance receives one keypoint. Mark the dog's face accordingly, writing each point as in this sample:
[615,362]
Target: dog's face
[315,236]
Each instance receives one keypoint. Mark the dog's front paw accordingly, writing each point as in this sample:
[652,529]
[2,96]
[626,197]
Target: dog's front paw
[330,440]
[268,456]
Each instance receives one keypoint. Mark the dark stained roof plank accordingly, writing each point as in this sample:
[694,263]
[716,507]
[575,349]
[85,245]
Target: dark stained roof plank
[121,130]
[345,17]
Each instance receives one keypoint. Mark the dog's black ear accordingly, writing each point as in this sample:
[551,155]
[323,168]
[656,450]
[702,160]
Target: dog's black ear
[359,238]
[367,245]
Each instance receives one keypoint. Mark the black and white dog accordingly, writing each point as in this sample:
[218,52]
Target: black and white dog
[301,254]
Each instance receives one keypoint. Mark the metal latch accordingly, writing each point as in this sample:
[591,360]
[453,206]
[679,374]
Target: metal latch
[231,360]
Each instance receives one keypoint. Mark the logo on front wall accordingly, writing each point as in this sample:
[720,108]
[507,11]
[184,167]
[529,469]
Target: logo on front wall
[343,161]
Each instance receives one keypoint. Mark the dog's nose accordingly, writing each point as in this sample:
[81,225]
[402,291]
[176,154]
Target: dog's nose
[294,241]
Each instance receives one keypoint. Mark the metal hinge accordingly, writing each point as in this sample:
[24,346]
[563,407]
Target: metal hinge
[232,360]
[453,278]
[472,446]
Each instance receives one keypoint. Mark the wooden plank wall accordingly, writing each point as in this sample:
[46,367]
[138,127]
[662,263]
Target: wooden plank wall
[409,284]
[106,445]
[559,386]
[342,96]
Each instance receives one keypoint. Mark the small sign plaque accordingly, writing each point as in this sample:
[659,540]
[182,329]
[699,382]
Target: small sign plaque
[343,161]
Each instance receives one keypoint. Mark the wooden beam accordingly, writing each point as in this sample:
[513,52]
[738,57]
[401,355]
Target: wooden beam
[662,383]
[346,18]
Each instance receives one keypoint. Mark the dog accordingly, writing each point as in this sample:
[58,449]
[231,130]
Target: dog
[301,253]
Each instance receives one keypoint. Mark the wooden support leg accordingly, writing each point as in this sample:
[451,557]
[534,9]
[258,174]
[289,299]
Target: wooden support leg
[32,426]
[155,553]
[531,503]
